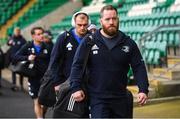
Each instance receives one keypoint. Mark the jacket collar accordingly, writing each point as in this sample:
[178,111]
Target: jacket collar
[121,37]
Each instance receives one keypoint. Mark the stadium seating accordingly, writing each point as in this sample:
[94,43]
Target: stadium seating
[8,8]
[37,11]
[137,18]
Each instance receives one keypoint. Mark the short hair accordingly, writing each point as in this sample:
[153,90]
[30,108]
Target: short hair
[17,29]
[35,28]
[79,13]
[107,7]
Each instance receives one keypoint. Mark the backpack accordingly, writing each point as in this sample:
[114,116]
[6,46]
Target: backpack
[47,94]
[66,106]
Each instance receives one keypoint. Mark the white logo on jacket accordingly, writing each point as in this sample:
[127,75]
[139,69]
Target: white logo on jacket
[95,49]
[18,42]
[69,46]
[125,49]
[45,51]
[33,50]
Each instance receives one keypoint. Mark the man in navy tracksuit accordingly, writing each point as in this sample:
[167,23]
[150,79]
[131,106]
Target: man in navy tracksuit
[38,53]
[109,61]
[15,43]
[64,50]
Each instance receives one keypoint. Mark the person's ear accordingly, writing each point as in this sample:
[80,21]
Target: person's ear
[100,21]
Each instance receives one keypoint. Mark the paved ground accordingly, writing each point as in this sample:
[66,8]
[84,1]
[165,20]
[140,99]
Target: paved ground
[19,104]
[164,109]
[16,104]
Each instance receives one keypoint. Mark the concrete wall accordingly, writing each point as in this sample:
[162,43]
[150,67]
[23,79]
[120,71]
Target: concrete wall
[53,17]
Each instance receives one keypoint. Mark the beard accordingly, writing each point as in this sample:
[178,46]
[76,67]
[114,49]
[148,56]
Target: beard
[111,30]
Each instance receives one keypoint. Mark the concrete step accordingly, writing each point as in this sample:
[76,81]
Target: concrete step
[174,51]
[171,74]
[166,88]
[159,88]
[174,63]
[134,90]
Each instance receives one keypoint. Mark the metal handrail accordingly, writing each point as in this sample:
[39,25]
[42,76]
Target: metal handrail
[142,39]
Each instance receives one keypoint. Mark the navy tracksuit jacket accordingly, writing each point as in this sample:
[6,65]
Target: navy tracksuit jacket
[108,68]
[18,42]
[62,56]
[42,59]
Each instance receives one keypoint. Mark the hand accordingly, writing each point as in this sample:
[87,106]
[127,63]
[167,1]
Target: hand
[56,88]
[78,95]
[142,98]
[11,42]
[31,57]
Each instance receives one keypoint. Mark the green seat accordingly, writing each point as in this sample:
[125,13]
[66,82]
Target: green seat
[165,36]
[178,20]
[171,39]
[159,37]
[150,57]
[156,58]
[162,48]
[172,21]
[156,22]
[145,53]
[177,39]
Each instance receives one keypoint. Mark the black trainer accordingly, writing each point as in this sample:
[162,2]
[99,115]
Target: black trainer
[14,88]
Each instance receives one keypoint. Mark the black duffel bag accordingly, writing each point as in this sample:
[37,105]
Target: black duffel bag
[47,95]
[67,107]
[25,68]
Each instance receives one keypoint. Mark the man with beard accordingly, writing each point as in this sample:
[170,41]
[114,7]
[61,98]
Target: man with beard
[109,61]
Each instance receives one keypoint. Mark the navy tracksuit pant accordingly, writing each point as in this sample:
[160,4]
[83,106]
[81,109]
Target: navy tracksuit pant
[112,108]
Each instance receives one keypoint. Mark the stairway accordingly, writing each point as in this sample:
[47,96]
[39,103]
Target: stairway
[164,82]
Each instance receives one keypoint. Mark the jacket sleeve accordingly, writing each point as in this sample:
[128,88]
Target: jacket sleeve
[24,41]
[76,75]
[139,69]
[56,59]
[22,53]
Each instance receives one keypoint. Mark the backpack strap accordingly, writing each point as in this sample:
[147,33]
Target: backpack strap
[66,36]
[90,43]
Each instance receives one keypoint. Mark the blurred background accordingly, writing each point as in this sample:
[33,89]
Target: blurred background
[153,24]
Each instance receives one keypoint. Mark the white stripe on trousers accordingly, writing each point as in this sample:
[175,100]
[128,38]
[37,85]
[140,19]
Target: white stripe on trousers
[71,103]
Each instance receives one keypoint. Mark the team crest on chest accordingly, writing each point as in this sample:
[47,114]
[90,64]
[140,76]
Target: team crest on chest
[69,46]
[95,49]
[125,49]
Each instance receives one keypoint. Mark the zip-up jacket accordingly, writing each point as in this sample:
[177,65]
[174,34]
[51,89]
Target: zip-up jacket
[108,68]
[18,42]
[62,56]
[41,60]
